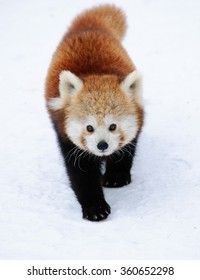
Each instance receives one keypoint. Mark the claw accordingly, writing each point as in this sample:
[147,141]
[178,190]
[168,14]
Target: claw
[102,215]
[97,212]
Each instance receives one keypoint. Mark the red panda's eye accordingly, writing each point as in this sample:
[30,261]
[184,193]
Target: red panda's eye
[112,127]
[90,128]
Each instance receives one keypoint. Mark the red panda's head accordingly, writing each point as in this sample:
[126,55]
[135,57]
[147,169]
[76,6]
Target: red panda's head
[102,115]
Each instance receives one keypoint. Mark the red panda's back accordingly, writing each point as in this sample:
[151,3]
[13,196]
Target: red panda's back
[90,47]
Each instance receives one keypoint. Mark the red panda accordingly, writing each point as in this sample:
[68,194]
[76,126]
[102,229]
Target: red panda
[93,96]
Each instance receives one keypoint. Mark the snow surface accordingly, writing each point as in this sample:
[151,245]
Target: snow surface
[158,215]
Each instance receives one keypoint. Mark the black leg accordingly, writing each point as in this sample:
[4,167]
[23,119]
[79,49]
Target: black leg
[85,176]
[118,167]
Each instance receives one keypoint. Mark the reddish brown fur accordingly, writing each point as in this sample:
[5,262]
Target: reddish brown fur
[91,50]
[122,139]
[103,97]
[110,17]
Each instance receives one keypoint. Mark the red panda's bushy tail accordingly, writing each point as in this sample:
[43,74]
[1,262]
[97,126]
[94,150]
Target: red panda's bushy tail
[104,17]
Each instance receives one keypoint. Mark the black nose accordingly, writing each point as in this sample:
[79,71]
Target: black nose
[102,145]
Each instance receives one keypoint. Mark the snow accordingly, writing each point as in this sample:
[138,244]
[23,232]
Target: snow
[158,215]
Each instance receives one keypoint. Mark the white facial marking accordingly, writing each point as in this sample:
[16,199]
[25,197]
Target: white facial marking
[102,133]
[74,131]
[126,124]
[129,127]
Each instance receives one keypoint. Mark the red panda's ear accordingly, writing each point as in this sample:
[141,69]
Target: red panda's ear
[69,84]
[132,83]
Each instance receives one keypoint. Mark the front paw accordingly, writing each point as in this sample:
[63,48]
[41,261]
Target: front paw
[116,179]
[97,212]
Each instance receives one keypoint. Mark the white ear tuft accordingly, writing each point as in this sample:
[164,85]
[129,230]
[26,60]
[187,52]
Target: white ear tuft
[56,103]
[132,83]
[69,83]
